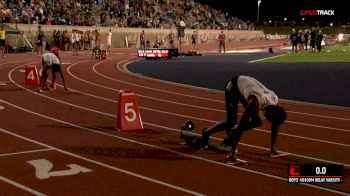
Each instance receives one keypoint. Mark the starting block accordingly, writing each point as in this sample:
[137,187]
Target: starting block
[129,117]
[31,75]
[196,141]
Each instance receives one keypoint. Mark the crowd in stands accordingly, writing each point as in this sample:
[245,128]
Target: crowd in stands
[119,13]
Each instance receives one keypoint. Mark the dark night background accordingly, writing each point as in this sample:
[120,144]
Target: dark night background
[279,9]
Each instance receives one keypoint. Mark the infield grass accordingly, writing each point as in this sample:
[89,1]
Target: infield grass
[330,54]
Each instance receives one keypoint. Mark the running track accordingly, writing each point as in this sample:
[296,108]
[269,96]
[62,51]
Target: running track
[70,136]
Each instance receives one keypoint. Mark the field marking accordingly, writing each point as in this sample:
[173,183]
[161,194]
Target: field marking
[2,107]
[271,57]
[148,145]
[20,186]
[147,97]
[280,155]
[206,108]
[25,152]
[127,72]
[136,75]
[174,102]
[87,159]
[167,128]
[165,91]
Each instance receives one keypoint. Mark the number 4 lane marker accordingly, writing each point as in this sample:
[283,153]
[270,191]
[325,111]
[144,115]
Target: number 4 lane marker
[43,167]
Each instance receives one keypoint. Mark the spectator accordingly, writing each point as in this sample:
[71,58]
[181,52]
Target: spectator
[313,39]
[86,39]
[142,40]
[294,40]
[66,38]
[306,39]
[222,41]
[40,41]
[57,39]
[194,39]
[2,40]
[109,41]
[75,42]
[92,39]
[300,40]
[126,13]
[319,40]
[97,38]
[171,39]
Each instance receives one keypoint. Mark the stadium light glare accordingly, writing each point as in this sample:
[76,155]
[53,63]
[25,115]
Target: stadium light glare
[340,37]
[257,18]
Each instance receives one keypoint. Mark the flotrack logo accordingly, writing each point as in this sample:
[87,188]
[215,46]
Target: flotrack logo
[317,12]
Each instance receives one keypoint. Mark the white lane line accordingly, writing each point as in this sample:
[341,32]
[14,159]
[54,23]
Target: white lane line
[256,147]
[318,115]
[145,108]
[183,116]
[148,145]
[126,71]
[160,90]
[167,128]
[280,155]
[305,138]
[21,186]
[173,102]
[191,117]
[272,57]
[87,159]
[153,98]
[187,117]
[24,152]
[317,126]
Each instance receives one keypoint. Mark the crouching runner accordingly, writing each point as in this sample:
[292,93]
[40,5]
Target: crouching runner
[257,100]
[51,61]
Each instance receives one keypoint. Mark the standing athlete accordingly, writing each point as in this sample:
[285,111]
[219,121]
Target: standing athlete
[256,99]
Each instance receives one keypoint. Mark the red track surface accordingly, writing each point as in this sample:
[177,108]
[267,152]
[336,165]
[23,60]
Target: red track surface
[77,127]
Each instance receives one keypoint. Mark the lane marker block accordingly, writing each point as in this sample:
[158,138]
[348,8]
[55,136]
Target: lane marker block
[129,117]
[31,75]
